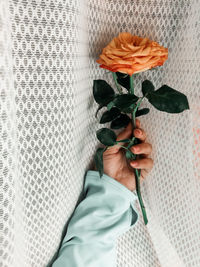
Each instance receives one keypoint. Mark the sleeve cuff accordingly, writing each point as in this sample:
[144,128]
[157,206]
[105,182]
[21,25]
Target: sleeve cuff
[131,195]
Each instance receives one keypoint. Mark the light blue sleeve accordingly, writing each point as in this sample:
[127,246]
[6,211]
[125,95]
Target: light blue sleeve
[106,211]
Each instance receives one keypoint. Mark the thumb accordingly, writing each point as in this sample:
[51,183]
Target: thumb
[126,133]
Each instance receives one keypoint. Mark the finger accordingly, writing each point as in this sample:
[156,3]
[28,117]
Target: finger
[126,133]
[140,134]
[143,148]
[137,123]
[146,163]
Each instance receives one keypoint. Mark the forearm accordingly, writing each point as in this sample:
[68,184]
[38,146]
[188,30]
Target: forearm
[106,211]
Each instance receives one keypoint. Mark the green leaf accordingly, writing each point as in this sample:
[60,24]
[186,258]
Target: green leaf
[125,101]
[142,111]
[147,87]
[121,74]
[98,159]
[129,109]
[168,100]
[123,79]
[130,155]
[100,107]
[102,92]
[122,121]
[130,144]
[110,115]
[137,141]
[110,105]
[106,136]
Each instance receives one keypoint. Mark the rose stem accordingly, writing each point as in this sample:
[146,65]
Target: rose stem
[137,174]
[116,83]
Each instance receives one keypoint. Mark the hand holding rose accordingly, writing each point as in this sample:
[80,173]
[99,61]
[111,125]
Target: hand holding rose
[117,166]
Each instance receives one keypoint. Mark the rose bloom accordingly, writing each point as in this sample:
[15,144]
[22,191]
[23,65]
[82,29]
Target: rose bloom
[130,54]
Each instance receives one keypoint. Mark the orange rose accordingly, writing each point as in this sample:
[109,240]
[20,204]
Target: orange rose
[131,54]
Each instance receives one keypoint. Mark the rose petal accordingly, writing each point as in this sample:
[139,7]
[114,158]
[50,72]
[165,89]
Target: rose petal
[130,54]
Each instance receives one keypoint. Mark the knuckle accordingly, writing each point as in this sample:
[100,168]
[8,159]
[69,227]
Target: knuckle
[142,131]
[151,162]
[144,173]
[144,134]
[139,131]
[138,122]
[147,161]
[149,146]
[141,134]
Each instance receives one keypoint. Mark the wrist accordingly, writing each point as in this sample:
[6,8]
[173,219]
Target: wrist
[129,185]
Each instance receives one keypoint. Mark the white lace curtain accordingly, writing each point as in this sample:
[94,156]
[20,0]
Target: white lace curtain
[48,50]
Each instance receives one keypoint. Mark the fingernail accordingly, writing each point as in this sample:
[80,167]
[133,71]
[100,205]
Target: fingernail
[136,148]
[134,164]
[137,131]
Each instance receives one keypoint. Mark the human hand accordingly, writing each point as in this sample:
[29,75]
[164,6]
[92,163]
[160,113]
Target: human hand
[118,167]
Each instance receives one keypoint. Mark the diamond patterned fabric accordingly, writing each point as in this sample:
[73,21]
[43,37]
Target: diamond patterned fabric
[48,51]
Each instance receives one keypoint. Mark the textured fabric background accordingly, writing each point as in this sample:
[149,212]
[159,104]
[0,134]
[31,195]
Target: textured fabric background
[48,51]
